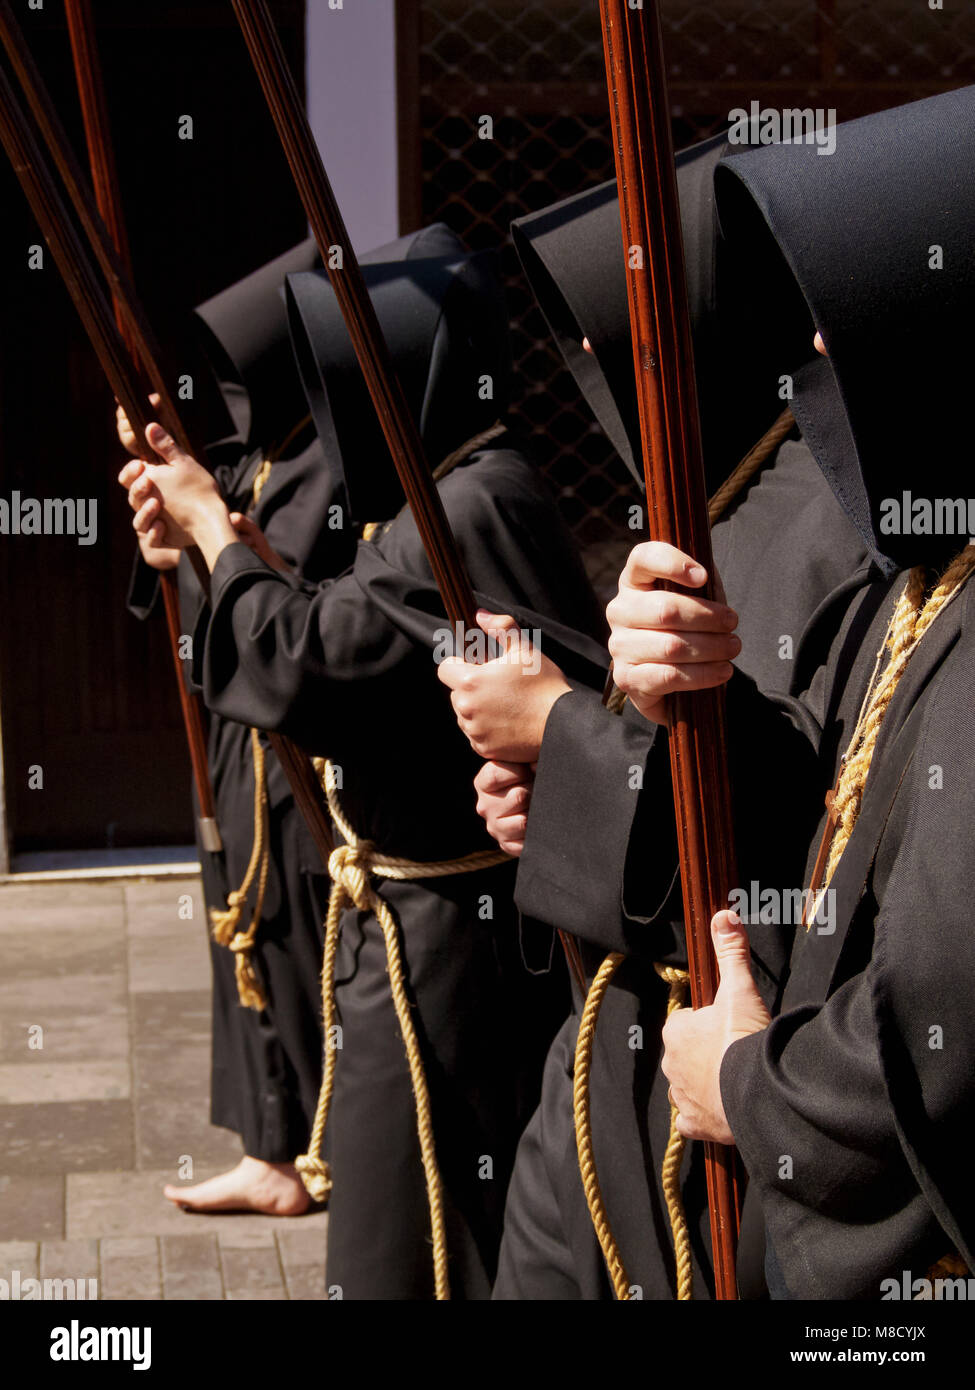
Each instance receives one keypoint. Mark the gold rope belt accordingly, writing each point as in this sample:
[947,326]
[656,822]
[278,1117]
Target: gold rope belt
[352,866]
[676,979]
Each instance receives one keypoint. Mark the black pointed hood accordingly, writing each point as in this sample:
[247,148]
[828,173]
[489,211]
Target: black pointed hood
[855,235]
[443,316]
[573,257]
[243,334]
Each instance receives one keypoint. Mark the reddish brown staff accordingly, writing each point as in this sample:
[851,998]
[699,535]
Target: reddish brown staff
[338,256]
[677,502]
[114,267]
[399,427]
[24,140]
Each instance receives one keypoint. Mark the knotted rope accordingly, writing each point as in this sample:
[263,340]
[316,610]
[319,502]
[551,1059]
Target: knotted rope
[352,867]
[676,979]
[224,922]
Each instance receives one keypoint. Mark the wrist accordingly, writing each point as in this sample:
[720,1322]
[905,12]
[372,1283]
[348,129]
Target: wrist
[212,532]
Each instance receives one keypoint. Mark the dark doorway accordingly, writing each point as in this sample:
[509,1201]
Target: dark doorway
[87,693]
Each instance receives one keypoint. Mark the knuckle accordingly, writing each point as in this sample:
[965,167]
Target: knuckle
[623,675]
[664,609]
[672,647]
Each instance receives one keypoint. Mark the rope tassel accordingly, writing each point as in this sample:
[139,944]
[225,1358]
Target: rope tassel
[224,922]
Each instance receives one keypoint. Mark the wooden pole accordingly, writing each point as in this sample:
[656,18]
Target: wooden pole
[399,427]
[115,267]
[670,429]
[37,180]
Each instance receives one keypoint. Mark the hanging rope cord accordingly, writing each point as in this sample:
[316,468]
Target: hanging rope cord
[225,922]
[352,867]
[677,981]
[917,608]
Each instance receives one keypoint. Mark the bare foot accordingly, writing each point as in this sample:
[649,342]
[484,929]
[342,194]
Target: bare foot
[275,1189]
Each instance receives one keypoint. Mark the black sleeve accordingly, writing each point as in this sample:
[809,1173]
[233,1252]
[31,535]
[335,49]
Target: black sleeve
[600,856]
[869,1093]
[143,591]
[585,798]
[291,657]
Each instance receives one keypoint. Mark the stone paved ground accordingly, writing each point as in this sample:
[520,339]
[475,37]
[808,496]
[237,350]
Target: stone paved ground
[97,1118]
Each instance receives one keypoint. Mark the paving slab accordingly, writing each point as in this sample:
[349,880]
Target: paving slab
[257,1295]
[61,1028]
[303,1242]
[173,1016]
[32,1207]
[66,1137]
[63,956]
[69,1259]
[160,908]
[191,1267]
[168,961]
[87,907]
[43,1081]
[23,1255]
[252,1237]
[173,1127]
[247,1273]
[131,1268]
[30,997]
[306,1282]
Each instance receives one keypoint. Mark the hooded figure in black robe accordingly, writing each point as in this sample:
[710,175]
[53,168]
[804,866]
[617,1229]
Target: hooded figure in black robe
[864,1077]
[786,550]
[347,668]
[266,1064]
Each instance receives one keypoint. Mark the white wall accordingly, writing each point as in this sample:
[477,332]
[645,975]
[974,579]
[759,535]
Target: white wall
[351,83]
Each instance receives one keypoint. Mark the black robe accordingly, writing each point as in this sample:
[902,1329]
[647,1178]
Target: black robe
[591,875]
[862,1083]
[863,1079]
[266,1066]
[346,668]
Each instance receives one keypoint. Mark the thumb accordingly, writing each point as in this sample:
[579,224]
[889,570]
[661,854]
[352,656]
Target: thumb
[733,953]
[501,626]
[163,443]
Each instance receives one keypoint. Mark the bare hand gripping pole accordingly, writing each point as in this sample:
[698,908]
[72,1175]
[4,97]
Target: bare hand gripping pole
[677,500]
